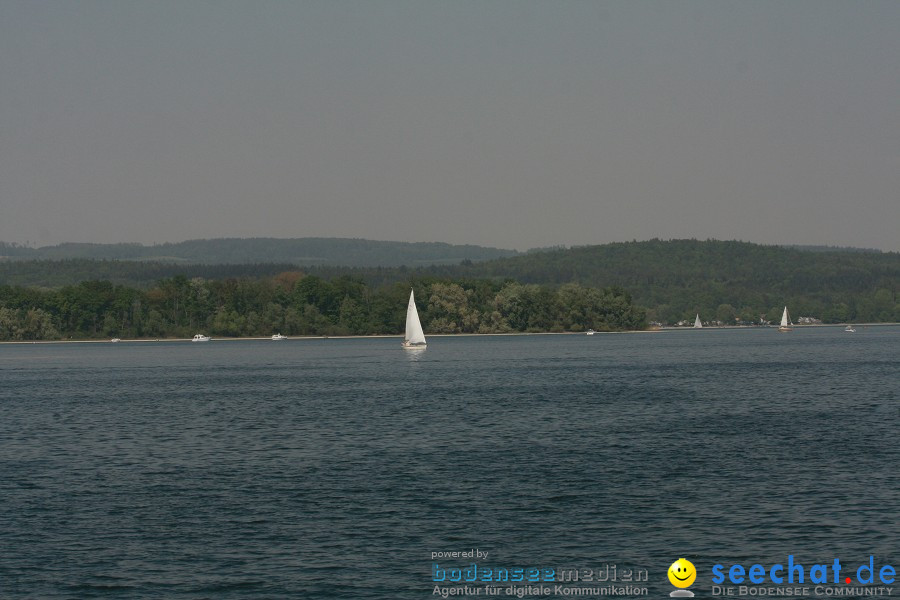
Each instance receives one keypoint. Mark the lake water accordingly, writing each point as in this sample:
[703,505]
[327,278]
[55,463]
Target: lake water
[334,468]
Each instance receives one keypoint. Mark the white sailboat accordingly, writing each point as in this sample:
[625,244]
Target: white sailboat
[415,337]
[786,324]
[697,323]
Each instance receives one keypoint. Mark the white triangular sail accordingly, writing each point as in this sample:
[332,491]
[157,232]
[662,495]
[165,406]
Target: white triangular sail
[786,324]
[785,318]
[697,323]
[414,334]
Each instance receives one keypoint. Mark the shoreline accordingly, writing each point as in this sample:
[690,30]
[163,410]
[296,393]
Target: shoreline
[398,336]
[434,335]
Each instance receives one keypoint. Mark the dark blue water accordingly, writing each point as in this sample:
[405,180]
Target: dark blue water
[334,468]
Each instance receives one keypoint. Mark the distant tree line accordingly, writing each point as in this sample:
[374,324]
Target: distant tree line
[298,251]
[139,274]
[729,282]
[293,303]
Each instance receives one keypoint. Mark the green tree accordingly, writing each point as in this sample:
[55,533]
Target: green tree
[10,324]
[725,314]
[38,325]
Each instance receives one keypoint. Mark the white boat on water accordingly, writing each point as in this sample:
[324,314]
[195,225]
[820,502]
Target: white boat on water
[114,340]
[589,332]
[200,338]
[850,329]
[697,323]
[278,336]
[786,324]
[414,337]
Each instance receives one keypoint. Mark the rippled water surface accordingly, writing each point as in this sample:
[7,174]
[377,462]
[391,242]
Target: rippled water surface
[333,468]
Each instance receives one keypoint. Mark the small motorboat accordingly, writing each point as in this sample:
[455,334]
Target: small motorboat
[850,329]
[200,338]
[278,336]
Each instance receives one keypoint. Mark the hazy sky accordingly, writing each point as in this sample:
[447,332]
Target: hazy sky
[510,123]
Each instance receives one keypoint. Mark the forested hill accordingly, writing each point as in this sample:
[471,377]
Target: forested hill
[677,278]
[674,280]
[299,251]
[59,273]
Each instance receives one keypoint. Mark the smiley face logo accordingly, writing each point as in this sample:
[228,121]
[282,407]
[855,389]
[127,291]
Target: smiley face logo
[682,573]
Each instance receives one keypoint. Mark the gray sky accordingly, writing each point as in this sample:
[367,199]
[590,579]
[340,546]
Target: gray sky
[511,123]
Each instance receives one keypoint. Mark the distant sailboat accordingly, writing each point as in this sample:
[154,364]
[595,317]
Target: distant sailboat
[786,324]
[697,323]
[415,337]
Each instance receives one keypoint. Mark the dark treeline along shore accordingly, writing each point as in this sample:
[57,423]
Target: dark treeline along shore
[727,281]
[293,303]
[608,287]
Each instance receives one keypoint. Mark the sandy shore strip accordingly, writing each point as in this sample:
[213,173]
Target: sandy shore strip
[432,335]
